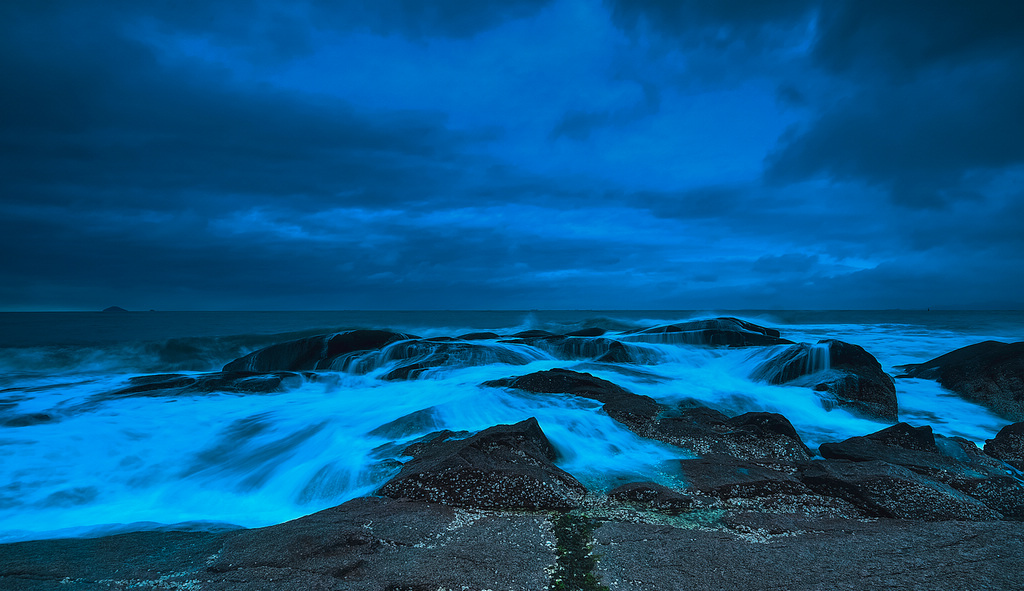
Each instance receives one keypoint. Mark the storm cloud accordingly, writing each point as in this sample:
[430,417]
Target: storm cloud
[524,154]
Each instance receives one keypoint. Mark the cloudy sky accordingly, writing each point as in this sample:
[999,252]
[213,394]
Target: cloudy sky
[450,154]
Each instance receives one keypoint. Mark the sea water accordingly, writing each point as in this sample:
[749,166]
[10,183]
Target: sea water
[77,460]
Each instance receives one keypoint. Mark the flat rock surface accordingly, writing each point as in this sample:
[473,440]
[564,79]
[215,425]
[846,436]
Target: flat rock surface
[776,552]
[367,544]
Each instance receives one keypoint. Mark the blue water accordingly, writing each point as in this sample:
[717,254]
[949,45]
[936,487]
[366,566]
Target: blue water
[99,463]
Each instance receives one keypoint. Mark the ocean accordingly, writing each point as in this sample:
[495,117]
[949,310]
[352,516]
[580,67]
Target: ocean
[76,460]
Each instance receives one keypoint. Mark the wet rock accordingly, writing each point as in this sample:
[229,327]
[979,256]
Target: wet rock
[753,435]
[318,352]
[727,477]
[845,375]
[990,373]
[700,430]
[652,495]
[953,461]
[29,419]
[479,336]
[238,382]
[505,466]
[416,356]
[1008,445]
[886,490]
[633,410]
[587,332]
[731,332]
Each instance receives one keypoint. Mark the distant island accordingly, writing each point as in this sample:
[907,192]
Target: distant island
[114,309]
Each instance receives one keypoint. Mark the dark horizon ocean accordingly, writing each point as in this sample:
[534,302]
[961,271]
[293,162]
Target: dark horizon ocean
[77,460]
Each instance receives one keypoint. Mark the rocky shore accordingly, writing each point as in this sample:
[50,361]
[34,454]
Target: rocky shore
[754,508]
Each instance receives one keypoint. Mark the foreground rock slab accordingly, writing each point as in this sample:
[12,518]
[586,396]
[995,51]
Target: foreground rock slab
[762,552]
[367,544]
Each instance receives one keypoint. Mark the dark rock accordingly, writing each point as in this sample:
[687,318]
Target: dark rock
[587,332]
[418,355]
[318,352]
[731,332]
[885,490]
[811,554]
[700,430]
[238,382]
[953,461]
[652,494]
[754,435]
[29,419]
[479,336]
[1008,445]
[369,544]
[632,410]
[852,377]
[990,374]
[534,334]
[505,466]
[727,477]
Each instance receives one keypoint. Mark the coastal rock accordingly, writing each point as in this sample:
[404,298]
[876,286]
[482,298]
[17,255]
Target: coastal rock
[750,436]
[238,382]
[414,356]
[764,552]
[701,430]
[845,375]
[317,352]
[951,461]
[990,373]
[885,490]
[946,459]
[727,477]
[652,495]
[632,410]
[1008,445]
[727,331]
[505,466]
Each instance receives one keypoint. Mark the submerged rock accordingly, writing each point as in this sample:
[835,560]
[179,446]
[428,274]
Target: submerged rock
[505,466]
[990,373]
[731,332]
[845,375]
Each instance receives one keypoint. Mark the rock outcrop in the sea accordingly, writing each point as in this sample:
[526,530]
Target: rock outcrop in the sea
[990,374]
[632,410]
[700,430]
[952,462]
[731,332]
[317,352]
[236,382]
[843,374]
[505,466]
[1008,445]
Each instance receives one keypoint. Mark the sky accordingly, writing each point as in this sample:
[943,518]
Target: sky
[526,154]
